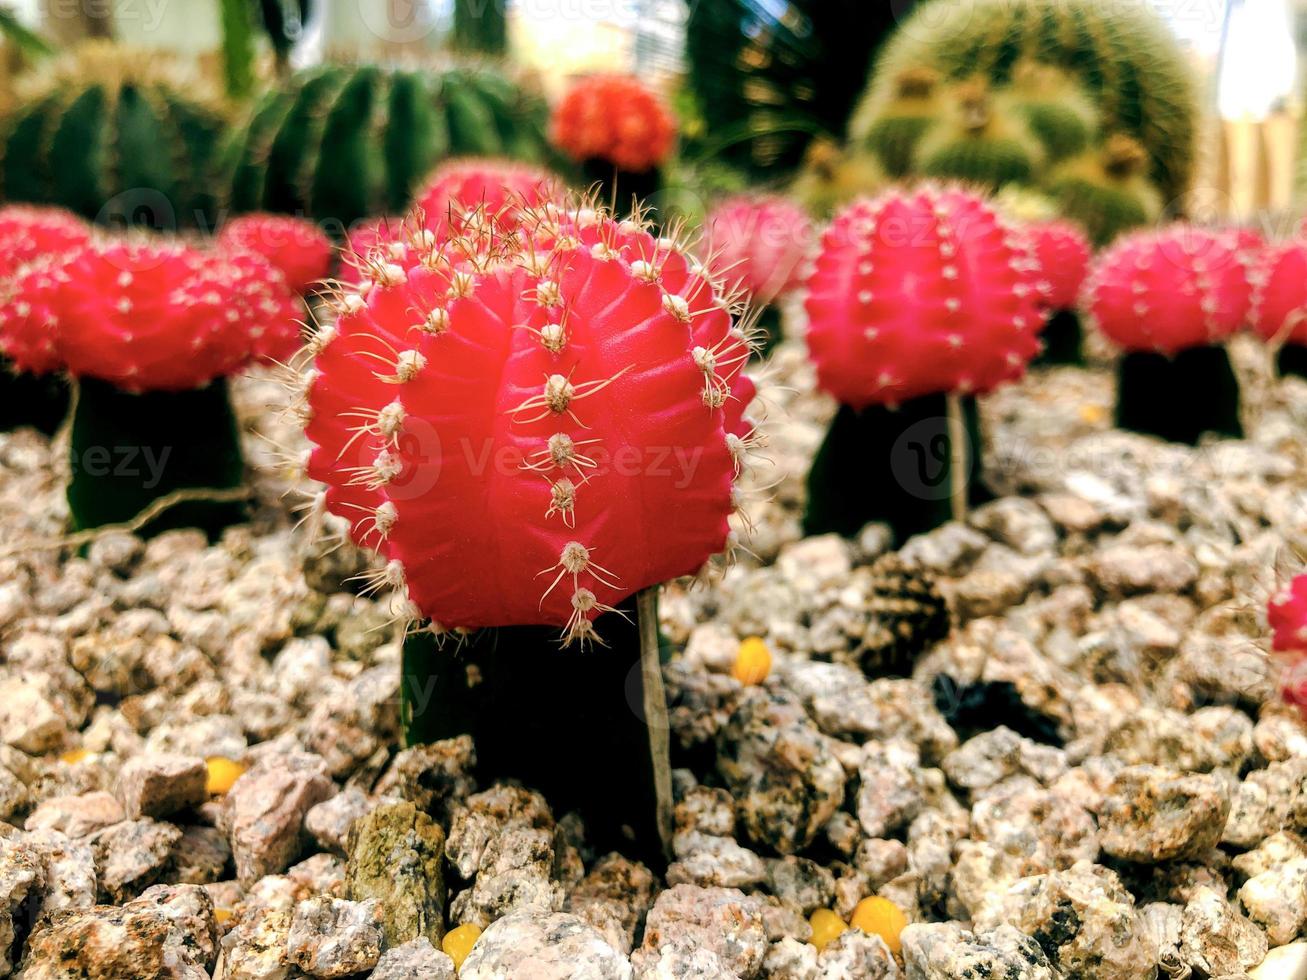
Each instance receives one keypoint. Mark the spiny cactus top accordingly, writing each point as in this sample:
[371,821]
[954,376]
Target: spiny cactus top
[1287,615]
[918,293]
[531,427]
[1169,290]
[1063,254]
[760,241]
[1279,303]
[463,188]
[616,119]
[147,315]
[298,248]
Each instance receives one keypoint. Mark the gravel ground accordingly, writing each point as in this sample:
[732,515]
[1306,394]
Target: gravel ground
[1089,778]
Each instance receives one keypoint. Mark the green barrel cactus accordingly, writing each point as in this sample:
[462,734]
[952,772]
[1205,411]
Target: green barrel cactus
[972,142]
[769,77]
[1105,189]
[893,134]
[1121,53]
[339,144]
[110,135]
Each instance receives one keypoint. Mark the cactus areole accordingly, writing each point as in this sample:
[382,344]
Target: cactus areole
[913,297]
[1170,299]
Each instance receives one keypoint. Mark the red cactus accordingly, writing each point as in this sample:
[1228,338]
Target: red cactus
[151,316]
[1169,290]
[461,188]
[1063,254]
[761,242]
[614,118]
[919,293]
[532,427]
[1287,615]
[1279,297]
[297,247]
[28,233]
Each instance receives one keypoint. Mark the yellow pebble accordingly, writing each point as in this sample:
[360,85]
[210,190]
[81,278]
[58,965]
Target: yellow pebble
[74,756]
[1093,414]
[826,925]
[222,773]
[880,917]
[459,942]
[752,661]
[222,916]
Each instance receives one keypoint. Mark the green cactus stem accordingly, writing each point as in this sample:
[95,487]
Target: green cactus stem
[974,143]
[340,144]
[129,450]
[1292,360]
[1152,394]
[31,401]
[1105,190]
[1063,340]
[567,721]
[896,465]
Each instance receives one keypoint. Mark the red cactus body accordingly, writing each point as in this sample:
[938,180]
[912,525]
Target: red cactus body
[530,428]
[1279,297]
[461,188]
[1287,615]
[614,118]
[29,314]
[271,311]
[1170,290]
[919,293]
[298,248]
[29,233]
[151,316]
[761,242]
[1063,253]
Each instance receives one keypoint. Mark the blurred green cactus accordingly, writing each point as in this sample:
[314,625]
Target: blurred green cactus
[109,134]
[339,144]
[1123,55]
[1105,190]
[972,142]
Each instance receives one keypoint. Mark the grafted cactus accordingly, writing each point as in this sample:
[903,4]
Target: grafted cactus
[913,296]
[619,131]
[1063,255]
[1170,299]
[500,413]
[298,248]
[150,329]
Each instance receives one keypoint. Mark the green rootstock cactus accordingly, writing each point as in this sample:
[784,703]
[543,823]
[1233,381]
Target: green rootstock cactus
[342,143]
[108,136]
[774,75]
[1124,56]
